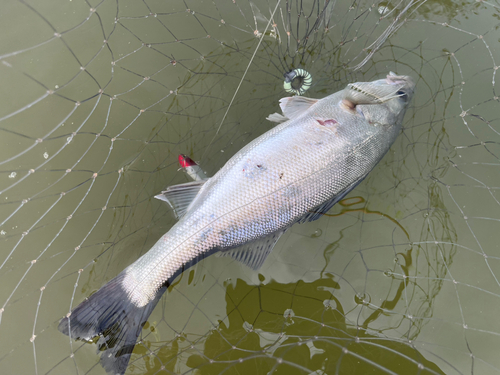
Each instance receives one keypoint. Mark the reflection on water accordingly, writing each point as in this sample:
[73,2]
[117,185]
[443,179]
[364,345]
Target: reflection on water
[311,334]
[99,99]
[286,328]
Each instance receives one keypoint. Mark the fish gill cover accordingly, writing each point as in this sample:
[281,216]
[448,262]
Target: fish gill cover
[99,98]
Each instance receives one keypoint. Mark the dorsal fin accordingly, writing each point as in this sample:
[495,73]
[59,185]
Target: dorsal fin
[253,254]
[179,197]
[295,106]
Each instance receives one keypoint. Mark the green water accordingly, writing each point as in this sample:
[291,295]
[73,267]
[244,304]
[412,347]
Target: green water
[402,277]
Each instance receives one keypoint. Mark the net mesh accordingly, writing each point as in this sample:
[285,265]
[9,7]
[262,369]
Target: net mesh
[98,99]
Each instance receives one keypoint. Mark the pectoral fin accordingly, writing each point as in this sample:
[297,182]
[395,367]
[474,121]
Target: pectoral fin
[179,197]
[295,106]
[276,117]
[253,254]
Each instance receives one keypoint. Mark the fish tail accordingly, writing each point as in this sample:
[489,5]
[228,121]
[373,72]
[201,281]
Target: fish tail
[110,314]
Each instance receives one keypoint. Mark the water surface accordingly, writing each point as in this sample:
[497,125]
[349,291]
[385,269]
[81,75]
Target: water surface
[98,99]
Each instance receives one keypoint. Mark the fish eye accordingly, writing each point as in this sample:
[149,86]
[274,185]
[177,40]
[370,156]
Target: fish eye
[402,95]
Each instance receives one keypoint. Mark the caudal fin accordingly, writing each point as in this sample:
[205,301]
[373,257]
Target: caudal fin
[110,314]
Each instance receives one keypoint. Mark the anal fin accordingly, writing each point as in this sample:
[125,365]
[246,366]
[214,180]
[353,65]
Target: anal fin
[253,254]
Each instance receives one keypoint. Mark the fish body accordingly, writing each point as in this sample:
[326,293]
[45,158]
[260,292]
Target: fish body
[319,151]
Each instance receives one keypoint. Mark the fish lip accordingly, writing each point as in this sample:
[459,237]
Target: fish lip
[393,79]
[406,83]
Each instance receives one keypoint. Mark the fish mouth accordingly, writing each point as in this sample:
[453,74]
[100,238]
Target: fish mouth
[406,81]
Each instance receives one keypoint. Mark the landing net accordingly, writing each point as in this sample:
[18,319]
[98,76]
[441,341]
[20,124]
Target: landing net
[99,98]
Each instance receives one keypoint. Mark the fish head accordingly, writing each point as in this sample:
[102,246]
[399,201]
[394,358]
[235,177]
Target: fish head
[381,102]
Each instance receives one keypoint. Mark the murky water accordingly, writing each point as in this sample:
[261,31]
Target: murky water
[98,99]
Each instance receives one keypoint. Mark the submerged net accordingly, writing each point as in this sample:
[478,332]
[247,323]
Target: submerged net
[99,98]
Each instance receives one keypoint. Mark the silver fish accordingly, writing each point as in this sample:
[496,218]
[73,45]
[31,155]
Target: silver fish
[321,149]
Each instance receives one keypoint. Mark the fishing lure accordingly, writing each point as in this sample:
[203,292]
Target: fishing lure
[297,81]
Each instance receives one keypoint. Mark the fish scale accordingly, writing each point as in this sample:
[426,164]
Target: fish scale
[293,173]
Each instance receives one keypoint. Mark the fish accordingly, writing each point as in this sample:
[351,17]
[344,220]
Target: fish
[318,151]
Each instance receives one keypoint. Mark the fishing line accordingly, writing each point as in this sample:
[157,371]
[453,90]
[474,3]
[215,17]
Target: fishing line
[241,81]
